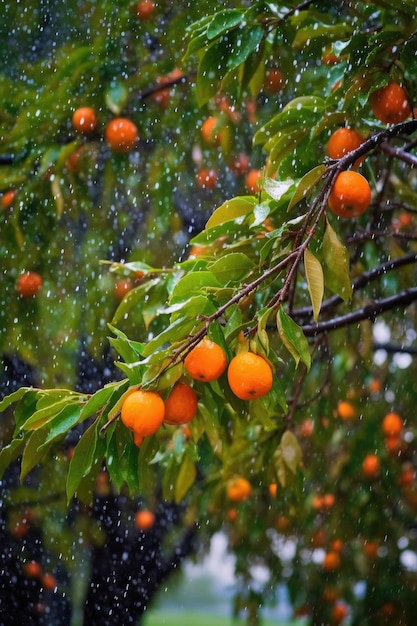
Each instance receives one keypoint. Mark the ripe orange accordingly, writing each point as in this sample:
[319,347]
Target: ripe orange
[392,425]
[206,362]
[346,410]
[121,135]
[274,81]
[84,120]
[122,287]
[145,9]
[7,198]
[238,489]
[163,96]
[208,131]
[49,582]
[252,180]
[207,178]
[232,514]
[143,412]
[371,466]
[29,284]
[339,613]
[32,569]
[337,545]
[144,520]
[343,141]
[370,549]
[331,561]
[180,405]
[240,164]
[272,488]
[390,104]
[350,195]
[250,376]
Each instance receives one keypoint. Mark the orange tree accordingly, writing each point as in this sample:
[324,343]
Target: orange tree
[308,269]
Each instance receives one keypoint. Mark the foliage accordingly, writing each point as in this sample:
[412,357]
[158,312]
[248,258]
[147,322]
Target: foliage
[320,285]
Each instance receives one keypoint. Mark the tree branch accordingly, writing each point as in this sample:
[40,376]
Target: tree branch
[368,312]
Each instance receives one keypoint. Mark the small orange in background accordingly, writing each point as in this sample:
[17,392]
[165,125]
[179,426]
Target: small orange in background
[180,405]
[85,120]
[274,81]
[207,178]
[371,466]
[145,10]
[7,198]
[206,362]
[370,549]
[163,96]
[144,520]
[240,164]
[390,104]
[49,582]
[331,561]
[29,284]
[208,131]
[32,569]
[273,488]
[232,514]
[339,613]
[253,181]
[121,135]
[346,410]
[143,412]
[343,141]
[238,489]
[350,195]
[250,376]
[392,425]
[122,287]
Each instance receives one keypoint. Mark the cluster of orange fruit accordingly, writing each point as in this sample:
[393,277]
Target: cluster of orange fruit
[350,195]
[249,375]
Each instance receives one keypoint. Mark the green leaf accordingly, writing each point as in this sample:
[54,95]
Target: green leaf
[315,281]
[99,399]
[293,338]
[14,397]
[223,21]
[33,453]
[11,452]
[231,267]
[185,479]
[176,331]
[277,188]
[291,451]
[44,415]
[193,284]
[231,210]
[63,422]
[82,460]
[306,184]
[336,261]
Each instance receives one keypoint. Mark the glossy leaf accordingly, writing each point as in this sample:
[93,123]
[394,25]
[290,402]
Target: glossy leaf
[293,338]
[315,281]
[306,184]
[186,477]
[336,261]
[231,210]
[224,21]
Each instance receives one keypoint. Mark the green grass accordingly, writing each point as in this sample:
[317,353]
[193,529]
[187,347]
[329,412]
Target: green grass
[193,618]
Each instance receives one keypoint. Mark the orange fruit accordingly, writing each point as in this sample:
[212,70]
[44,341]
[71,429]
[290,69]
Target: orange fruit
[208,131]
[207,178]
[346,410]
[163,96]
[240,164]
[144,520]
[343,141]
[84,120]
[392,425]
[143,412]
[393,444]
[390,104]
[274,81]
[122,287]
[272,488]
[339,613]
[370,549]
[145,9]
[49,582]
[32,569]
[371,466]
[29,284]
[328,500]
[331,561]
[337,545]
[180,405]
[253,181]
[350,195]
[206,362]
[250,376]
[238,489]
[121,135]
[7,198]
[232,514]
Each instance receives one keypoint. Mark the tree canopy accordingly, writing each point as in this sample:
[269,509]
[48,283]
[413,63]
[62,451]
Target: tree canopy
[229,217]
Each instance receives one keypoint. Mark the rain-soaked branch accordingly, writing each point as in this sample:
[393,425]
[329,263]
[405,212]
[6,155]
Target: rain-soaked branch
[368,312]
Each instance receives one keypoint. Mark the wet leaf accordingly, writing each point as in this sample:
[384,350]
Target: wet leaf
[223,21]
[315,281]
[230,268]
[82,460]
[336,261]
[277,188]
[186,477]
[306,184]
[291,451]
[231,210]
[293,338]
